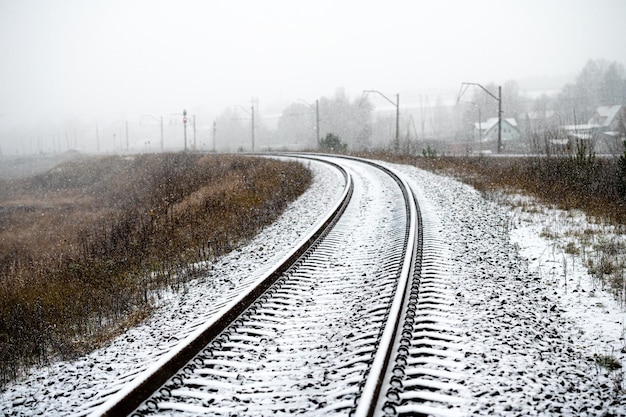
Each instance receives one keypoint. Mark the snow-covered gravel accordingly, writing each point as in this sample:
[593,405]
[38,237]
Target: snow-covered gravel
[529,342]
[529,339]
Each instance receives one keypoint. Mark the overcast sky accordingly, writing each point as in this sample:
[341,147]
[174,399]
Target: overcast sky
[113,57]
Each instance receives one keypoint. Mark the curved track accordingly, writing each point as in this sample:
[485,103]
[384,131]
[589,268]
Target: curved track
[347,323]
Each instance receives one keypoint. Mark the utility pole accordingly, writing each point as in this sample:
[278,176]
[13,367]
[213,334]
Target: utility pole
[126,136]
[185,127]
[254,101]
[161,122]
[422,118]
[397,145]
[480,125]
[317,121]
[194,131]
[499,119]
[464,87]
[252,113]
[214,131]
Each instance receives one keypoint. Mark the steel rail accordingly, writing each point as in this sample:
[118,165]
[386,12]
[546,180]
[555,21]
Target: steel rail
[383,392]
[136,392]
[372,389]
[371,393]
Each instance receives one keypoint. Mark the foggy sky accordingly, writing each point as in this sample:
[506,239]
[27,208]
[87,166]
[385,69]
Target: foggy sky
[111,58]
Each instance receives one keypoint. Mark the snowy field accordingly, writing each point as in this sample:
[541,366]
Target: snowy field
[531,317]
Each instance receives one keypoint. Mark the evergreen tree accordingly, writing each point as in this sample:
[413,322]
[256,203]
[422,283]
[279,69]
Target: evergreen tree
[331,142]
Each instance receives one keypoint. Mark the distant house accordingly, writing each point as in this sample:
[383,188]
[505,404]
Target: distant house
[510,132]
[604,131]
[488,133]
[607,118]
[610,130]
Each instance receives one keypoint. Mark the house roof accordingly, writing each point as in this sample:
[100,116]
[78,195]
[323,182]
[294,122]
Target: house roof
[493,121]
[604,115]
[579,128]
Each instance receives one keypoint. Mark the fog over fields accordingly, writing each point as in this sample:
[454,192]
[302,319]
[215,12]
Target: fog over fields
[110,76]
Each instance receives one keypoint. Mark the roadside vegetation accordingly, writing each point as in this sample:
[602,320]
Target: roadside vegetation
[85,246]
[578,182]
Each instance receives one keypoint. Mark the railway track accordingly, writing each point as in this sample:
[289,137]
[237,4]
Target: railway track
[353,321]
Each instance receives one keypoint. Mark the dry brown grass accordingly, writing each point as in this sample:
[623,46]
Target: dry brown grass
[590,185]
[83,245]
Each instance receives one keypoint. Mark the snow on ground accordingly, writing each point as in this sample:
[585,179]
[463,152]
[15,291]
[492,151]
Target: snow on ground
[530,340]
[557,245]
[532,318]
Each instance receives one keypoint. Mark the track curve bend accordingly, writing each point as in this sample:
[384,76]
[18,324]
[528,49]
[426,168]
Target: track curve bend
[336,329]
